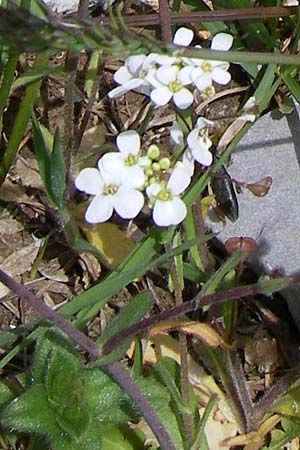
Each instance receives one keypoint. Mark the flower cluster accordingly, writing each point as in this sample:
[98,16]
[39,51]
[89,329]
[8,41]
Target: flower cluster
[125,179]
[166,78]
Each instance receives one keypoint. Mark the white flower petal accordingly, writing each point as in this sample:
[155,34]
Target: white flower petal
[203,123]
[183,36]
[134,63]
[99,210]
[153,189]
[188,162]
[176,134]
[128,142]
[89,181]
[184,75]
[151,78]
[165,60]
[179,180]
[168,213]
[133,177]
[195,139]
[183,98]
[134,83]
[221,41]
[166,74]
[128,202]
[220,76]
[196,73]
[122,75]
[202,155]
[203,82]
[144,161]
[111,165]
[161,96]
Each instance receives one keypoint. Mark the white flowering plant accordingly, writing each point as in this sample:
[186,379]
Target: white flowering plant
[134,177]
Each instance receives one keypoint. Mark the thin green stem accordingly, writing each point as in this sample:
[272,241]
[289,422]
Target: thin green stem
[238,57]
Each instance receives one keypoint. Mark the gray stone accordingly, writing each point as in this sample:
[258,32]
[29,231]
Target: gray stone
[270,148]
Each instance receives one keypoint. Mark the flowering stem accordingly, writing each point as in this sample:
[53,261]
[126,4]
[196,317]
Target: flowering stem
[184,379]
[237,57]
[200,230]
[71,66]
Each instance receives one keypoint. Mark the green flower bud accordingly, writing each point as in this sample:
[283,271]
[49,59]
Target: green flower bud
[153,151]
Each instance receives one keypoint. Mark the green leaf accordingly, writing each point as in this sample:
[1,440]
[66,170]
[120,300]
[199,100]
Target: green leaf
[291,429]
[57,172]
[31,412]
[51,165]
[91,439]
[201,441]
[214,281]
[47,346]
[158,397]
[7,392]
[42,155]
[292,84]
[121,437]
[134,311]
[105,398]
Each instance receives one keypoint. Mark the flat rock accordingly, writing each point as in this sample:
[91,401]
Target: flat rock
[270,148]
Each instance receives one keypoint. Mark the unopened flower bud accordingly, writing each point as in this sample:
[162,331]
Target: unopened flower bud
[153,151]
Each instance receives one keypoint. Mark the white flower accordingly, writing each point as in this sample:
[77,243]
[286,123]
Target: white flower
[203,72]
[169,82]
[109,194]
[199,143]
[176,134]
[168,208]
[182,37]
[127,161]
[132,76]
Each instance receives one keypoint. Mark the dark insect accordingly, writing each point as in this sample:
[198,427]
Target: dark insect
[225,194]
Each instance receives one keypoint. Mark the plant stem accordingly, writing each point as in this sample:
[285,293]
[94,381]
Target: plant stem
[184,370]
[70,66]
[200,230]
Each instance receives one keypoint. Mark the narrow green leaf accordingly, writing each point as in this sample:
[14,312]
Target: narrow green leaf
[43,156]
[200,442]
[20,121]
[134,311]
[214,281]
[57,172]
[292,84]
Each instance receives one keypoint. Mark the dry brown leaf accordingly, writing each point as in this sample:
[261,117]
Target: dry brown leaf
[18,263]
[28,173]
[202,331]
[255,439]
[232,131]
[217,433]
[11,192]
[10,226]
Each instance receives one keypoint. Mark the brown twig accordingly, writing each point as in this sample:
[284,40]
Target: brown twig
[165,21]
